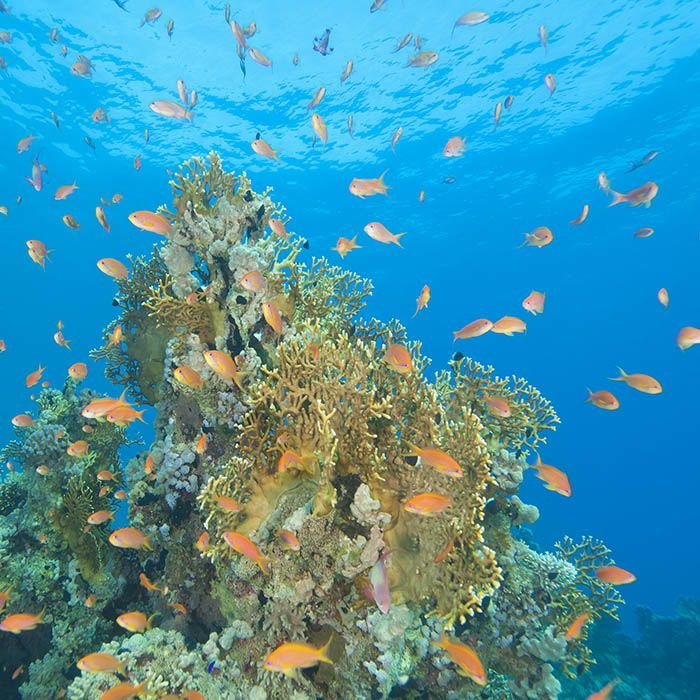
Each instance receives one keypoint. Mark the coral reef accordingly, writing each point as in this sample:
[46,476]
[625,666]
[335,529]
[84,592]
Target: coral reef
[276,496]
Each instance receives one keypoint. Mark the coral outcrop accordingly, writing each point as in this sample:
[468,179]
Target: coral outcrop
[276,497]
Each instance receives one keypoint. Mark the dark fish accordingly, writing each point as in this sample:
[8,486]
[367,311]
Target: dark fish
[121,4]
[644,161]
[457,356]
[448,180]
[377,5]
[321,45]
[248,196]
[170,28]
[210,667]
[90,142]
[305,245]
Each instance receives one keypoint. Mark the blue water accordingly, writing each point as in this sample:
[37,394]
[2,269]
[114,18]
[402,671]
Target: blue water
[628,74]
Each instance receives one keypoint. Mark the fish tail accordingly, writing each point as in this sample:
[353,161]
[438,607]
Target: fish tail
[139,415]
[380,182]
[323,651]
[141,688]
[122,400]
[590,393]
[617,198]
[396,238]
[264,564]
[622,376]
[526,241]
[147,544]
[150,620]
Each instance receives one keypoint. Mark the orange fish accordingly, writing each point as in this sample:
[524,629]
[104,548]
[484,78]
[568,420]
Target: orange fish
[445,551]
[582,216]
[437,459]
[320,127]
[78,448]
[263,148]
[421,196]
[99,115]
[497,406]
[100,407]
[24,144]
[345,245]
[398,358]
[38,253]
[105,475]
[178,607]
[90,601]
[69,221]
[116,336]
[509,325]
[4,597]
[201,447]
[120,495]
[230,505]
[289,657]
[123,691]
[662,296]
[289,539]
[102,218]
[574,630]
[534,302]
[21,622]
[641,195]
[539,238]
[100,663]
[130,538]
[33,378]
[380,233]
[368,187]
[113,268]
[188,376]
[224,365]
[427,504]
[124,415]
[23,420]
[150,221]
[640,382]
[18,672]
[272,316]
[603,399]
[241,544]
[100,516]
[42,469]
[473,329]
[279,228]
[65,191]
[104,491]
[423,299]
[135,621]
[465,657]
[202,543]
[290,459]
[78,371]
[554,479]
[454,147]
[605,692]
[253,281]
[147,583]
[687,337]
[614,575]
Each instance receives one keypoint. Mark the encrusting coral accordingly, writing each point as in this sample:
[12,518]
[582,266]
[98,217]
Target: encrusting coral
[276,496]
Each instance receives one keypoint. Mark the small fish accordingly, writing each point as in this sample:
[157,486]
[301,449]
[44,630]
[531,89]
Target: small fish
[17,672]
[289,539]
[554,479]
[89,142]
[497,114]
[473,329]
[65,191]
[147,583]
[404,42]
[130,538]
[150,221]
[428,504]
[78,371]
[377,5]
[102,218]
[662,296]
[437,459]
[398,358]
[320,93]
[259,57]
[223,365]
[116,198]
[272,316]
[241,544]
[606,692]
[100,663]
[345,245]
[151,16]
[137,162]
[291,459]
[319,126]
[263,148]
[202,543]
[614,575]
[454,147]
[603,399]
[135,621]
[201,446]
[33,378]
[170,28]
[687,337]
[448,180]
[551,82]
[641,195]
[253,281]
[113,268]
[368,187]
[421,196]
[5,38]
[423,59]
[179,608]
[295,59]
[350,120]
[250,30]
[182,91]
[69,221]
[23,420]
[99,517]
[497,406]
[115,336]
[79,448]
[124,415]
[603,182]
[37,178]
[465,658]
[42,469]
[423,299]
[581,217]
[321,43]
[509,325]
[644,232]
[508,101]
[124,690]
[644,161]
[539,238]
[24,144]
[289,657]
[21,622]
[90,601]
[188,376]
[640,382]
[470,19]
[379,232]
[172,110]
[395,138]
[346,71]
[81,69]
[543,35]
[573,631]
[534,302]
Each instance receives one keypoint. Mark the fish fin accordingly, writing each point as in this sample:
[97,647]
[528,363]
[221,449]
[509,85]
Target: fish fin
[147,544]
[380,179]
[617,198]
[622,376]
[323,651]
[590,393]
[150,620]
[396,238]
[525,242]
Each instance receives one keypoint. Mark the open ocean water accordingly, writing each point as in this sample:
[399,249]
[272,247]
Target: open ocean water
[627,78]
